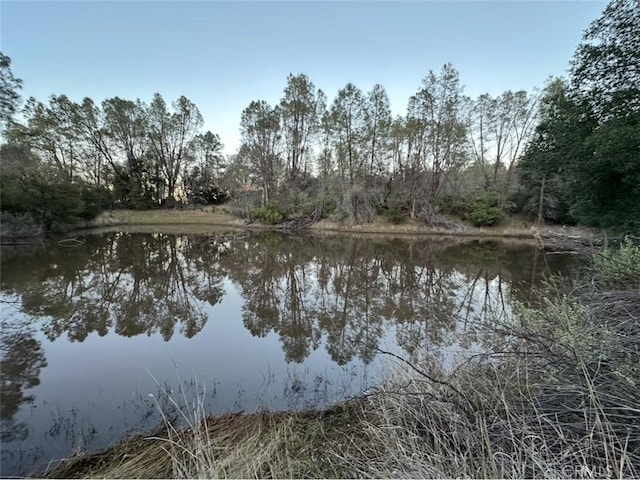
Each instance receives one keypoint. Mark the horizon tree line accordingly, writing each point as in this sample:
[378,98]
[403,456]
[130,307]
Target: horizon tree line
[350,158]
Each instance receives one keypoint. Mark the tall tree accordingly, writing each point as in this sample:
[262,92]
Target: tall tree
[398,141]
[325,159]
[606,65]
[207,150]
[479,128]
[100,149]
[202,181]
[438,144]
[499,129]
[9,90]
[260,131]
[300,116]
[347,122]
[377,128]
[558,147]
[52,132]
[126,125]
[171,135]
[592,128]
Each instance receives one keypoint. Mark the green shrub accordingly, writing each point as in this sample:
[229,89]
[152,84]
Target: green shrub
[484,216]
[270,214]
[480,208]
[620,265]
[483,210]
[488,198]
[454,205]
[95,200]
[329,206]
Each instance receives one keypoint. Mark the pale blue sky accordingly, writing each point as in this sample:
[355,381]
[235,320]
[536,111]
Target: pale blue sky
[222,55]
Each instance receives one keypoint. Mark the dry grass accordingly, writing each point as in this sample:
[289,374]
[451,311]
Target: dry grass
[203,219]
[303,445]
[511,422]
[204,215]
[517,229]
[557,396]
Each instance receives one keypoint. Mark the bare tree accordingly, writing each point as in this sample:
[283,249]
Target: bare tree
[300,113]
[437,136]
[260,130]
[171,135]
[499,128]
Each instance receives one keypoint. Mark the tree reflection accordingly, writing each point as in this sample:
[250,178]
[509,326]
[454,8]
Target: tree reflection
[347,291]
[135,284]
[274,276]
[21,359]
[344,293]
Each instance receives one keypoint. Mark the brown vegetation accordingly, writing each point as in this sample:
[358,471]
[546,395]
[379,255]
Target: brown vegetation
[550,237]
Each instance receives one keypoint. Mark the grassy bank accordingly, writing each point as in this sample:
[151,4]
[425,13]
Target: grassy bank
[194,220]
[202,216]
[556,394]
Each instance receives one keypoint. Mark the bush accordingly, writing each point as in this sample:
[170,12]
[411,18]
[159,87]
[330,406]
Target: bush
[325,206]
[95,200]
[483,216]
[621,266]
[453,205]
[483,210]
[270,214]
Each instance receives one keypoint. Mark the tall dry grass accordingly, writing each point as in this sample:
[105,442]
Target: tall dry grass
[261,445]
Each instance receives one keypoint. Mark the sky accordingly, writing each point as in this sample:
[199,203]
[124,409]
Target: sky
[224,54]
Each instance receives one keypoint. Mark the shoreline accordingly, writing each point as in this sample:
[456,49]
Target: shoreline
[205,220]
[151,455]
[551,239]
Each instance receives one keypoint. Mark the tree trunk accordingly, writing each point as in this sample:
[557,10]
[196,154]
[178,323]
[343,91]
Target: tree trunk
[541,202]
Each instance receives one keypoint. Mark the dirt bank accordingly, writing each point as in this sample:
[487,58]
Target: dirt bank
[201,221]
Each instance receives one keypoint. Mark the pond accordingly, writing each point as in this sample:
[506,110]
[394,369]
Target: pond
[101,336]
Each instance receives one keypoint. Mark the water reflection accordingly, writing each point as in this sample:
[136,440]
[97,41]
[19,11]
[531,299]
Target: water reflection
[20,364]
[327,302]
[133,284]
[341,290]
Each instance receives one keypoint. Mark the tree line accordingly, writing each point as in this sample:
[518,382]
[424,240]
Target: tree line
[568,153]
[354,155]
[583,164]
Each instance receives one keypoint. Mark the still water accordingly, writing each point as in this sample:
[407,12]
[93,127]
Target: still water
[97,334]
